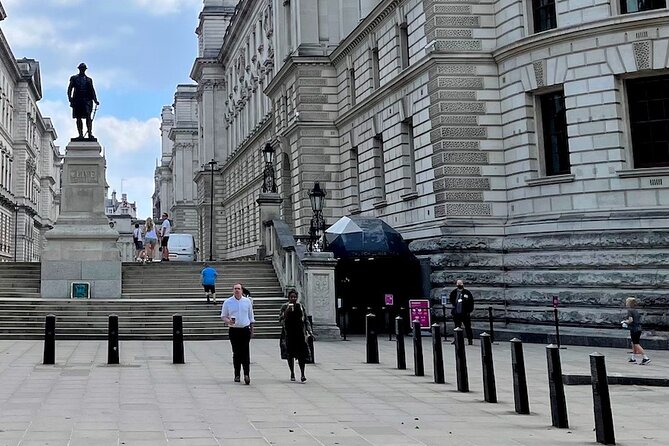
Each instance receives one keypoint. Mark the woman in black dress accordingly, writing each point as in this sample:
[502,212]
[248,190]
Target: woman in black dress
[294,333]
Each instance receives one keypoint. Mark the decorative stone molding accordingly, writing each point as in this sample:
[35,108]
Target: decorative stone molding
[540,73]
[643,55]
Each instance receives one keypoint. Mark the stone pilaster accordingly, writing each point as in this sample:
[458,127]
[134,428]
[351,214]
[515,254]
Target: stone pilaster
[319,293]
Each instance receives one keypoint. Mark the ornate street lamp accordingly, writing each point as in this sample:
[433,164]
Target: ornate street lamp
[213,164]
[269,183]
[317,224]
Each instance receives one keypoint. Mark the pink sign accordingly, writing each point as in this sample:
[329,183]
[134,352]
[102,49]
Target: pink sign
[419,309]
[389,299]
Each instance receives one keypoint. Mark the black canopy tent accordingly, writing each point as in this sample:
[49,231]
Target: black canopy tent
[374,260]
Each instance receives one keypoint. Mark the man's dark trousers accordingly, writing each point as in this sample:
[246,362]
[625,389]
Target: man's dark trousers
[464,318]
[240,339]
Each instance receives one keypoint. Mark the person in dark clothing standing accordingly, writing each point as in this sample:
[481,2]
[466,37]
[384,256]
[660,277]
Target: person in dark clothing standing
[633,322]
[462,301]
[294,333]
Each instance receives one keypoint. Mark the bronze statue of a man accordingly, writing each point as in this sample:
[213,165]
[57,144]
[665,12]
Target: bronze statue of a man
[81,94]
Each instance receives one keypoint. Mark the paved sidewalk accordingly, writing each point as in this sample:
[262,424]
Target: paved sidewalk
[148,401]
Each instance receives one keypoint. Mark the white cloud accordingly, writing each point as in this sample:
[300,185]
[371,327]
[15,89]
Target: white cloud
[28,32]
[125,136]
[162,7]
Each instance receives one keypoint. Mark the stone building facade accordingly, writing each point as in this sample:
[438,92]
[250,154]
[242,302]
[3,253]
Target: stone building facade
[175,191]
[30,162]
[521,145]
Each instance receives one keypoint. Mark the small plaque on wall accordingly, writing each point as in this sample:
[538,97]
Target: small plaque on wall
[80,290]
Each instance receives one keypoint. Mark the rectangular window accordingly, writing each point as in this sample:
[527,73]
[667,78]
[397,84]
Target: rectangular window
[379,168]
[404,45]
[648,100]
[376,71]
[409,154]
[554,126]
[628,6]
[351,85]
[543,13]
[355,175]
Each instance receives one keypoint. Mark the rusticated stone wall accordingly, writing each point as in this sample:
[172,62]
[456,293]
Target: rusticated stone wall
[591,272]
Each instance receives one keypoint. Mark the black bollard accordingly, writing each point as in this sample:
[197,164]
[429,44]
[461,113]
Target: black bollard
[556,387]
[461,361]
[602,401]
[419,369]
[388,327]
[372,341]
[50,339]
[399,338]
[437,355]
[310,342]
[490,323]
[344,323]
[489,387]
[557,326]
[177,339]
[112,340]
[520,395]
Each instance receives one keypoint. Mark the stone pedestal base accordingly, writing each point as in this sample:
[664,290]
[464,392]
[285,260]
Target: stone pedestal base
[82,247]
[319,292]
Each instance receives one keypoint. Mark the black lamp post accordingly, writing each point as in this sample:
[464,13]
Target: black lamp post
[213,164]
[317,224]
[269,183]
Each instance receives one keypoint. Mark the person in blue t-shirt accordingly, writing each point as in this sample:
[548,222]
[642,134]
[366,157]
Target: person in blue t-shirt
[209,275]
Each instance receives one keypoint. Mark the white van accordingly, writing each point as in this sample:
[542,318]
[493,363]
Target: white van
[182,248]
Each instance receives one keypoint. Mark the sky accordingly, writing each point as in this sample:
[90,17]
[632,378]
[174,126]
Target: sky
[137,51]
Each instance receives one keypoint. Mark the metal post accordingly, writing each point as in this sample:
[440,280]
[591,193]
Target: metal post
[489,387]
[520,395]
[604,429]
[50,339]
[388,327]
[344,323]
[556,387]
[112,340]
[443,312]
[399,338]
[177,339]
[212,163]
[419,369]
[310,341]
[437,355]
[490,323]
[461,361]
[557,326]
[372,345]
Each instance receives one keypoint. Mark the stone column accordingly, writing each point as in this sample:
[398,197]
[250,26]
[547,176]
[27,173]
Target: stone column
[269,204]
[319,293]
[82,247]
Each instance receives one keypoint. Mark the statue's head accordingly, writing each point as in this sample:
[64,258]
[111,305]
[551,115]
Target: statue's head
[82,67]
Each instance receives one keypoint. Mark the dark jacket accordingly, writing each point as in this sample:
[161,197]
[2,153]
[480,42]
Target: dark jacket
[467,300]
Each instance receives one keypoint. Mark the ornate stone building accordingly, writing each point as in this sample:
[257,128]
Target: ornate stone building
[30,163]
[521,145]
[176,191]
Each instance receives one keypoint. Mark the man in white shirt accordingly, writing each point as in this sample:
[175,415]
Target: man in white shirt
[165,230]
[237,312]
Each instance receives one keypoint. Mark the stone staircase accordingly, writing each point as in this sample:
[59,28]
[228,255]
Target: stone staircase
[152,293]
[20,280]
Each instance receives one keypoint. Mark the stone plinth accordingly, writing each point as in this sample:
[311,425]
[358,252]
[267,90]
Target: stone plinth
[82,247]
[319,291]
[269,204]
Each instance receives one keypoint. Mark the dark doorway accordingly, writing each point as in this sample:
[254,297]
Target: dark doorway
[362,284]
